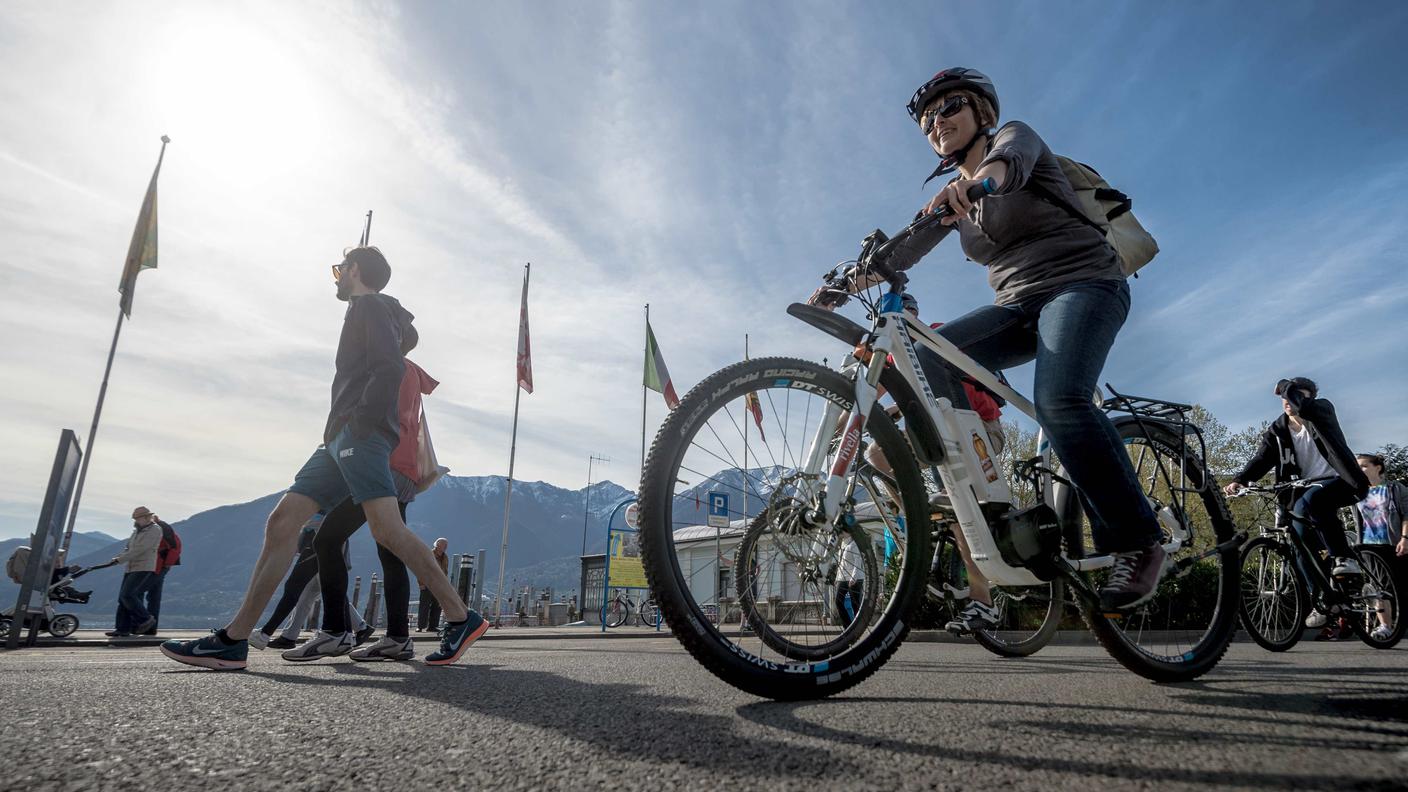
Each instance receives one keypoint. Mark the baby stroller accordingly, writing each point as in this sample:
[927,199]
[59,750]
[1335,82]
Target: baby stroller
[60,592]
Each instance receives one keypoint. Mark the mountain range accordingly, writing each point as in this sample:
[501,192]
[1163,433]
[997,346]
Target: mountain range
[219,546]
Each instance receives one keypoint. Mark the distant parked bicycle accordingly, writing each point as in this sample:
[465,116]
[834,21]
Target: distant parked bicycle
[621,608]
[1276,597]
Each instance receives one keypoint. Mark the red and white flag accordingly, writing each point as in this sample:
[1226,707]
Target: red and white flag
[755,408]
[525,351]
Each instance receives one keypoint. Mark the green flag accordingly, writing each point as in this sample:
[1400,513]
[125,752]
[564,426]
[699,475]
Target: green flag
[141,254]
[657,377]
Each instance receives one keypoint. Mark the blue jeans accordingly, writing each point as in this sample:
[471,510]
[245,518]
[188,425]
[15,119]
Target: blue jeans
[1069,335]
[131,611]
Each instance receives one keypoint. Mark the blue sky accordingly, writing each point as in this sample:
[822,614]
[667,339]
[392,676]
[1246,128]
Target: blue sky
[711,160]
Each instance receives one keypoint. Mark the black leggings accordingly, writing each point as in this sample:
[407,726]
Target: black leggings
[304,570]
[343,521]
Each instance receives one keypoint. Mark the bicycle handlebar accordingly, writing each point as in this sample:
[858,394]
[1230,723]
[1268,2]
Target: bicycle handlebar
[877,244]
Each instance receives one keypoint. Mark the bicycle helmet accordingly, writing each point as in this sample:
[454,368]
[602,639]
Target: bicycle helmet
[951,79]
[948,80]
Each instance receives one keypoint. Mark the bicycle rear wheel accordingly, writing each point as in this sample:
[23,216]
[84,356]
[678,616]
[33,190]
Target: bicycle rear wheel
[745,433]
[1274,600]
[1380,593]
[1185,629]
[616,612]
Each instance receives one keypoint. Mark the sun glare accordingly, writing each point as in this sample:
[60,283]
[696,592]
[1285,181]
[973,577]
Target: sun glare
[239,92]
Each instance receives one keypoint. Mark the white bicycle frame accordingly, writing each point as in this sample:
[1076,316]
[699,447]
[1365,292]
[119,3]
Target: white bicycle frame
[894,335]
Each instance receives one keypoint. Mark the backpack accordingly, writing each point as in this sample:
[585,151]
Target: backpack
[15,566]
[168,551]
[1107,210]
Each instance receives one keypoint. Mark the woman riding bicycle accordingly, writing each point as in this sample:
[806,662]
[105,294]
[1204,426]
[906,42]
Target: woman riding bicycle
[1305,443]
[1061,299]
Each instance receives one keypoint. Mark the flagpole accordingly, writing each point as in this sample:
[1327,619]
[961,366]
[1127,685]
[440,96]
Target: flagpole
[123,307]
[92,433]
[642,396]
[508,490]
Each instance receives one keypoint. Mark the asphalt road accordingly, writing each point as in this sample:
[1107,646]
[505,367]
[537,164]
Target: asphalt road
[640,714]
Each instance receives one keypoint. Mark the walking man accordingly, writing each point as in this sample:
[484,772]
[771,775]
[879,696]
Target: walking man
[133,618]
[354,461]
[428,612]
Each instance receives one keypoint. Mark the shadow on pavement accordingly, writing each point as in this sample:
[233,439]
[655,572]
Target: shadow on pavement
[1043,721]
[614,717]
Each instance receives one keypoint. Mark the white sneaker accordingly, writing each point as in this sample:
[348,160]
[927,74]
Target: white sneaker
[1346,566]
[1315,620]
[1381,633]
[258,640]
[321,645]
[386,649]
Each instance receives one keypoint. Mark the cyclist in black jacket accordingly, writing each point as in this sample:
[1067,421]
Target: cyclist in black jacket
[1305,443]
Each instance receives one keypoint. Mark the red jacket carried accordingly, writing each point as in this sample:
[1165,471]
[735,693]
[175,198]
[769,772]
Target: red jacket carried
[405,459]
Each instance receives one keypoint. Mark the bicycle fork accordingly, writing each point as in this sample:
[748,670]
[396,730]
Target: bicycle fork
[838,486]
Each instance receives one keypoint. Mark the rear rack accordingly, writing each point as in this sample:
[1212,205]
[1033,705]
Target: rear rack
[1172,414]
[1147,406]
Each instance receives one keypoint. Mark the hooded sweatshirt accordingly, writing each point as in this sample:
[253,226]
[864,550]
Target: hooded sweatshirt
[376,335]
[1277,449]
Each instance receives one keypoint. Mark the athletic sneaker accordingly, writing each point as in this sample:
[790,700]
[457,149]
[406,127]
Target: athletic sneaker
[976,616]
[1346,566]
[1315,620]
[455,637]
[319,646]
[1381,633]
[1133,579]
[259,639]
[386,649]
[281,642]
[208,652]
[363,635]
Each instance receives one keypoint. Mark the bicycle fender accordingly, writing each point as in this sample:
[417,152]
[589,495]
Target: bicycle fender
[918,425]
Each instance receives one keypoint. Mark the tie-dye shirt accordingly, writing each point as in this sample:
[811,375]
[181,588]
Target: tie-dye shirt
[1375,512]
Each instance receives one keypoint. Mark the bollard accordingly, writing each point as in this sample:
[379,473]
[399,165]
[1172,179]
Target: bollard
[466,575]
[454,571]
[479,581]
[356,591]
[313,615]
[373,601]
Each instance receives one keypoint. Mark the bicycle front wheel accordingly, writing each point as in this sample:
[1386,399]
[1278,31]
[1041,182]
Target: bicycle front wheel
[1274,599]
[741,441]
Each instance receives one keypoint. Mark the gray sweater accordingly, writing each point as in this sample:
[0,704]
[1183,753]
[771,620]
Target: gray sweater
[1030,246]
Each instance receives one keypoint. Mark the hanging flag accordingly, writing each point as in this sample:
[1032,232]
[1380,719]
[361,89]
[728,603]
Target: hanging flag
[657,377]
[525,352]
[141,254]
[756,408]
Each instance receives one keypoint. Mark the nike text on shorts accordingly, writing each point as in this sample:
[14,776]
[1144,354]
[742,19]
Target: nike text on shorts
[356,467]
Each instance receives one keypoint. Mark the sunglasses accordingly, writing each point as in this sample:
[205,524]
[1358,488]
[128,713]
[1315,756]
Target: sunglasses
[948,109]
[338,269]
